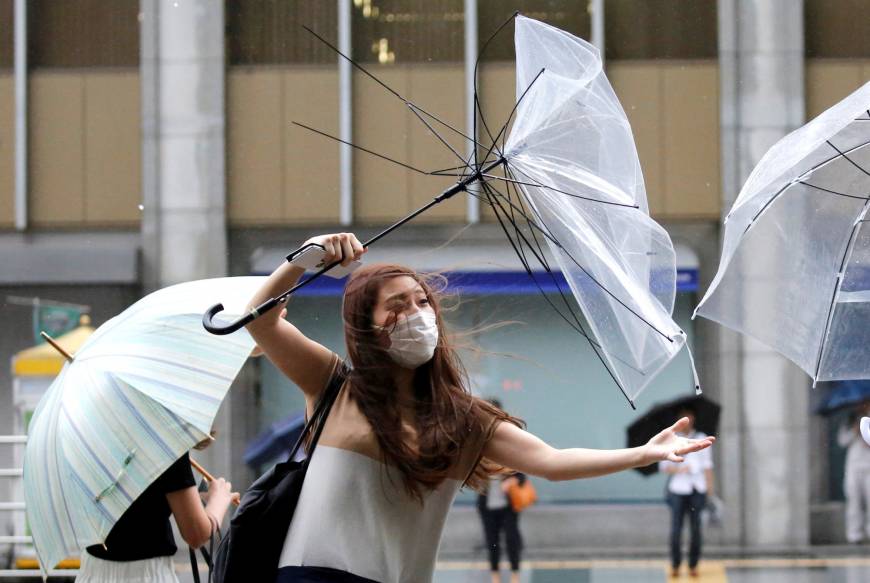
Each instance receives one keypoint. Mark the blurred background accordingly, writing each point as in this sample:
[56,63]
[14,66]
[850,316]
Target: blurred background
[145,143]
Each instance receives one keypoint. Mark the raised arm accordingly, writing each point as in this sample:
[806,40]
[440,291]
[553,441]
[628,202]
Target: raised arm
[519,450]
[304,361]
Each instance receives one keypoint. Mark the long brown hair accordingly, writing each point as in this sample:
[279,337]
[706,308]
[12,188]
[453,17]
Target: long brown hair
[446,413]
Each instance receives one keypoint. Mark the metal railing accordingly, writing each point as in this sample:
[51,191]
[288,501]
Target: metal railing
[17,506]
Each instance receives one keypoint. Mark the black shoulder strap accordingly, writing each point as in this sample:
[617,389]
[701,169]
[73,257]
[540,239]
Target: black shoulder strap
[321,411]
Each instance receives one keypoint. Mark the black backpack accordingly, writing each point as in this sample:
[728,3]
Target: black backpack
[252,546]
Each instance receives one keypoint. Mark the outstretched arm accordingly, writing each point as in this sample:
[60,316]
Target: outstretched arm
[519,450]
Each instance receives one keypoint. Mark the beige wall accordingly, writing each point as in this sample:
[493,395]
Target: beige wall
[282,174]
[673,108]
[279,173]
[84,165]
[85,142]
[382,123]
[7,152]
[831,80]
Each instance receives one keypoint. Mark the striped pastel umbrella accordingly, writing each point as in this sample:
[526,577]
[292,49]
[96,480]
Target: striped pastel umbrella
[142,391]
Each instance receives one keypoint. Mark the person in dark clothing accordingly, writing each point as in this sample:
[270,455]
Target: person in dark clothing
[498,516]
[140,546]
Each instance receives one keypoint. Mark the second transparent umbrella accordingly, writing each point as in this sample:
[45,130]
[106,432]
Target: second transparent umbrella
[795,267]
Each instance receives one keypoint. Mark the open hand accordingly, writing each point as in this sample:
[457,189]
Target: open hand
[669,446]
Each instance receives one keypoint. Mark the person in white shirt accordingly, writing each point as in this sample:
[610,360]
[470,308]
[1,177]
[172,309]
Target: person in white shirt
[856,481]
[688,487]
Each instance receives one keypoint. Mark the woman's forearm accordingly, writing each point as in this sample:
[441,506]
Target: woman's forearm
[280,281]
[571,464]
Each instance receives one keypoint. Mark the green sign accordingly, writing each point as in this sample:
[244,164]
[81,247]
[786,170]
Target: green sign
[54,320]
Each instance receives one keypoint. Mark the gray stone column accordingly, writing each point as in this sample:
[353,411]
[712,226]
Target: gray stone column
[183,126]
[764,445]
[183,157]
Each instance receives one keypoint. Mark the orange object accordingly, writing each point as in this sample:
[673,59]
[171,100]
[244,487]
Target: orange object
[522,496]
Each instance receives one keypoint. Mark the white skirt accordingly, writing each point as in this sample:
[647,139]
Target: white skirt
[156,570]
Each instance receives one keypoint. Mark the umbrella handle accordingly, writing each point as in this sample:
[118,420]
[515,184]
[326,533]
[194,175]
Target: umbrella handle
[236,500]
[222,330]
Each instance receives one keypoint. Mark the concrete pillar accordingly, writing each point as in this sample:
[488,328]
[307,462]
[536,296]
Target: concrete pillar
[183,126]
[764,445]
[183,157]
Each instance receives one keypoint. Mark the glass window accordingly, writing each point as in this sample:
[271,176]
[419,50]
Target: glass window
[837,29]
[83,33]
[7,34]
[660,29]
[408,31]
[269,32]
[569,15]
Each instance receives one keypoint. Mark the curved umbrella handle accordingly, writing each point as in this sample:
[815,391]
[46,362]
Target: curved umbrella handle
[223,330]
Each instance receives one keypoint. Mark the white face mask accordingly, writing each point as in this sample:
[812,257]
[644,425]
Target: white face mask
[413,339]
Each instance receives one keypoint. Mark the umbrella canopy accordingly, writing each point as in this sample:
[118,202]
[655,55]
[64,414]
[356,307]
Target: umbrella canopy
[663,415]
[798,234]
[142,390]
[275,441]
[571,153]
[842,395]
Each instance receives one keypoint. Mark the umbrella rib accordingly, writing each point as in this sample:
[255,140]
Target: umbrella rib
[594,345]
[468,165]
[826,160]
[366,150]
[544,186]
[510,115]
[441,139]
[542,260]
[598,283]
[385,86]
[479,110]
[829,191]
[840,276]
[558,287]
[848,159]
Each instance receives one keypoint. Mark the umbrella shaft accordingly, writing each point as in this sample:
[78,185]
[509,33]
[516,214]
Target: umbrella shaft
[449,192]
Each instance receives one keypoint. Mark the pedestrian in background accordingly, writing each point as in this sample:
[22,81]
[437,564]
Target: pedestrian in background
[689,485]
[498,516]
[856,478]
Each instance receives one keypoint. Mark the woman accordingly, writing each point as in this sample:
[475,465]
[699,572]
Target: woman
[140,546]
[688,487]
[404,433]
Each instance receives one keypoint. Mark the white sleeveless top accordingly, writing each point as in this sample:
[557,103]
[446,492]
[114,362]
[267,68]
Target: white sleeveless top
[354,514]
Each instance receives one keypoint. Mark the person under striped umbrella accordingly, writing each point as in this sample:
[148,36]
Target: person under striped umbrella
[121,417]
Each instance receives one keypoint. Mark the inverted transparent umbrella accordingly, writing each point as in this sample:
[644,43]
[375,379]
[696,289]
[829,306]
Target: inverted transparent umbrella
[798,235]
[565,178]
[142,391]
